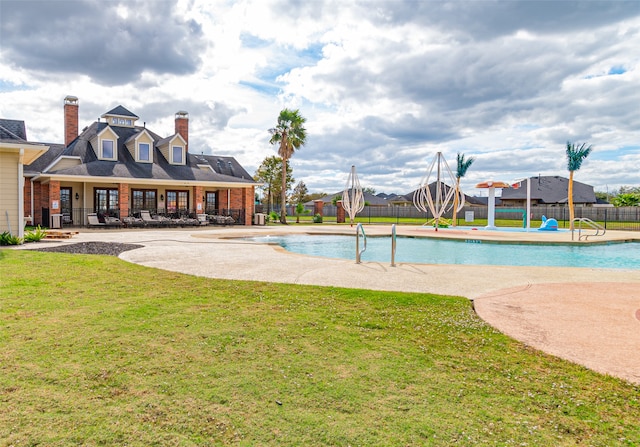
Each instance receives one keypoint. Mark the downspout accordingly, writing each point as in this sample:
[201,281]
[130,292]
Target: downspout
[228,199]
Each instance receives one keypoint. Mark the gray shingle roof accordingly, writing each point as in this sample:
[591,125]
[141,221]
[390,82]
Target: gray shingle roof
[223,169]
[551,189]
[12,130]
[121,111]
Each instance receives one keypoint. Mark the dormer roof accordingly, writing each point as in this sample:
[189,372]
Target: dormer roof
[120,111]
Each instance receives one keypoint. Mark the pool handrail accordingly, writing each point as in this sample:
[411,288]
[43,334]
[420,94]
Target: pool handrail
[588,222]
[393,245]
[360,229]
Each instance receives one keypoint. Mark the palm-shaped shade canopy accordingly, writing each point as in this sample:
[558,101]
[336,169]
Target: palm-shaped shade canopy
[576,155]
[463,165]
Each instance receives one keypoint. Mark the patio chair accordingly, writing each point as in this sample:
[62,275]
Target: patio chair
[132,221]
[112,221]
[202,219]
[93,221]
[148,220]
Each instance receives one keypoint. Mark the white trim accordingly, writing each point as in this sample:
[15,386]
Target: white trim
[150,153]
[114,147]
[140,181]
[20,195]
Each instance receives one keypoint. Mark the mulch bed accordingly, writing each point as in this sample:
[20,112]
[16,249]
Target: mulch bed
[92,248]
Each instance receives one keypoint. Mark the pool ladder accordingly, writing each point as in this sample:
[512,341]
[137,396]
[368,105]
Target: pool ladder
[589,223]
[360,229]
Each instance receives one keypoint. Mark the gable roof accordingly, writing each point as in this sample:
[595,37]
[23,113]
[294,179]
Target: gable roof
[551,189]
[120,111]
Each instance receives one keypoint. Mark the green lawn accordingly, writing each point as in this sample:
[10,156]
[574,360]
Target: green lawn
[96,351]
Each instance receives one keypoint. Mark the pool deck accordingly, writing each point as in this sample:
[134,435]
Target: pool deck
[588,316]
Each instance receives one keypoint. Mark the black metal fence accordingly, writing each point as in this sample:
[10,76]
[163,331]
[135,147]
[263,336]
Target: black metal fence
[77,217]
[612,218]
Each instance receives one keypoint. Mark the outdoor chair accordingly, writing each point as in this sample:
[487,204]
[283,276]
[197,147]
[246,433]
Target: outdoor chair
[132,221]
[202,219]
[148,220]
[93,221]
[112,221]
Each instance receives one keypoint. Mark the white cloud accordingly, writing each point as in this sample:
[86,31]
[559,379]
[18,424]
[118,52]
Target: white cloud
[384,85]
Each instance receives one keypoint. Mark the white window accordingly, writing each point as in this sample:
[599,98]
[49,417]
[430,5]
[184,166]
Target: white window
[177,155]
[108,149]
[144,152]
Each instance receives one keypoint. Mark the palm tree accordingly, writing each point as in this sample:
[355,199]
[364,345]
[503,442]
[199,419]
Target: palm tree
[463,167]
[575,157]
[290,134]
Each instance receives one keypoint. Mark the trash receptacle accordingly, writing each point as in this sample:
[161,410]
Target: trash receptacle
[259,219]
[56,221]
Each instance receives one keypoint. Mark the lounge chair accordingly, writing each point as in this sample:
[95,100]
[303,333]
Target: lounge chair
[112,221]
[133,221]
[93,221]
[148,220]
[202,219]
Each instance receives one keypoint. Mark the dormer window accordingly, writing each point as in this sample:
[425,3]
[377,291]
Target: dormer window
[108,150]
[178,155]
[121,122]
[144,152]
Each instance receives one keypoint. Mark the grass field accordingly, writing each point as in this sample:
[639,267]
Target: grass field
[95,351]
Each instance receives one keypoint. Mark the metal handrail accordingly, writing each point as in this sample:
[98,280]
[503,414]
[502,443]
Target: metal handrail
[593,225]
[360,229]
[393,245]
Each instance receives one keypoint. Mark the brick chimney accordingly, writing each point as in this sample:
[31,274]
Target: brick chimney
[182,126]
[70,119]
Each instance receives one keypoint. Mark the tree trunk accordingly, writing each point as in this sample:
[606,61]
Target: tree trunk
[283,200]
[455,202]
[570,198]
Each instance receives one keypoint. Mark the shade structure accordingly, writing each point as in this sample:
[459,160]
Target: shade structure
[491,185]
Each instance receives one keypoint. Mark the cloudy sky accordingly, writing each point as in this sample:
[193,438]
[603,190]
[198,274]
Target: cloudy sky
[384,85]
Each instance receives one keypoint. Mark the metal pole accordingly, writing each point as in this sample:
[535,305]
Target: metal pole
[528,203]
[393,245]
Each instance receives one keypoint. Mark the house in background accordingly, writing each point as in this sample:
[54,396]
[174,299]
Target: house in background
[550,191]
[15,152]
[115,167]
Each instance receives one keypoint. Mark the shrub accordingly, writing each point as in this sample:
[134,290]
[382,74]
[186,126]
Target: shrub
[7,238]
[274,217]
[35,235]
[317,218]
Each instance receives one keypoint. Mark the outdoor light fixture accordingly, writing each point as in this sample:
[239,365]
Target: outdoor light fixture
[77,196]
[162,197]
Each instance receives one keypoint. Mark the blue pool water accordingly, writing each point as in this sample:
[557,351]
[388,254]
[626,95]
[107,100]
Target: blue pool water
[475,252]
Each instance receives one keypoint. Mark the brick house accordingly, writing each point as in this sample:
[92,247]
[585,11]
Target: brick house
[115,167]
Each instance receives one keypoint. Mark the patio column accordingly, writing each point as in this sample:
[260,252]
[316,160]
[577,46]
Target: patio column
[198,199]
[123,199]
[54,197]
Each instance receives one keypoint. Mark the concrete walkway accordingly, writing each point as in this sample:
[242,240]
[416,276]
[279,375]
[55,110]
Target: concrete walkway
[588,316]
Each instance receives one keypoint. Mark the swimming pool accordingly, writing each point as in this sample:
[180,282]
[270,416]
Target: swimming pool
[473,252]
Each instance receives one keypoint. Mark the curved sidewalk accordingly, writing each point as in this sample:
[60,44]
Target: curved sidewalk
[588,316]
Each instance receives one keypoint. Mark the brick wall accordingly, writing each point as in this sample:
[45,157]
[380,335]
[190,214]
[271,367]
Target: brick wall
[340,214]
[241,198]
